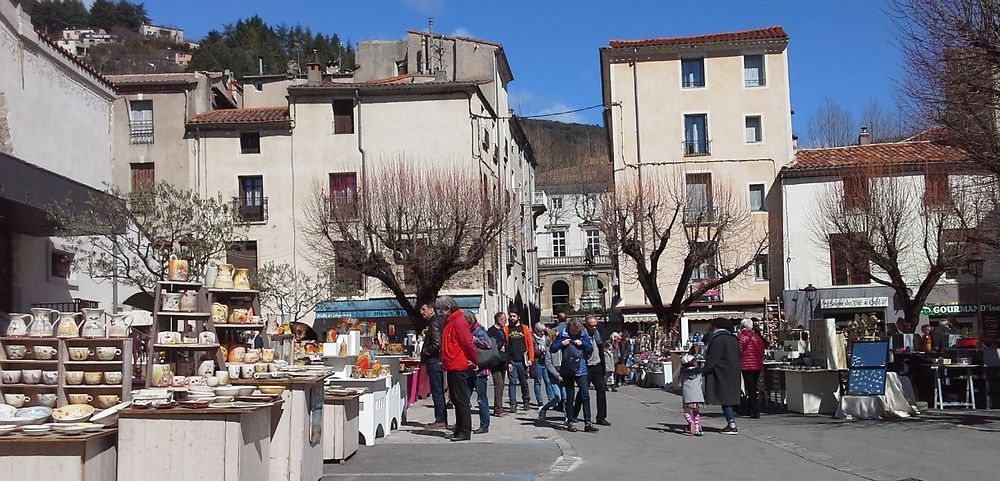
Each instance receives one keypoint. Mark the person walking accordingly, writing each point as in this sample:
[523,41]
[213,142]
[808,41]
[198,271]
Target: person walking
[430,356]
[459,359]
[752,363]
[552,377]
[499,372]
[575,346]
[722,372]
[541,341]
[595,374]
[481,339]
[521,352]
[610,361]
[692,392]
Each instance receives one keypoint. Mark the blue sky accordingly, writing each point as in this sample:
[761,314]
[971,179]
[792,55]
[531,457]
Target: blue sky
[845,49]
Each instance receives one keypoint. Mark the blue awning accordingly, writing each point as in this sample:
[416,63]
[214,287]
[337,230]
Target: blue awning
[381,308]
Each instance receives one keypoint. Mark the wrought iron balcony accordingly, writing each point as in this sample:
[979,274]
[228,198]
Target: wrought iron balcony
[712,295]
[573,261]
[695,148]
[251,210]
[341,206]
[141,131]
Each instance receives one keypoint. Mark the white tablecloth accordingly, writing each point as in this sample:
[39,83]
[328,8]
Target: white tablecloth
[898,401]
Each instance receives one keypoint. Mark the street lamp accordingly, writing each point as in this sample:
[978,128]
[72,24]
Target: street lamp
[976,269]
[810,291]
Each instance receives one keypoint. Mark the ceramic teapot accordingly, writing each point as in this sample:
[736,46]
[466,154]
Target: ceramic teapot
[41,325]
[177,269]
[219,313]
[241,280]
[93,323]
[224,280]
[67,326]
[17,326]
[118,326]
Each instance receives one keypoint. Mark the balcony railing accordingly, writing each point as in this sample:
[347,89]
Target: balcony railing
[699,215]
[76,305]
[141,131]
[572,261]
[712,295]
[341,206]
[251,210]
[695,148]
[346,287]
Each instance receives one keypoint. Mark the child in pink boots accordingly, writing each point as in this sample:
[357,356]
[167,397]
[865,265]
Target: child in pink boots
[692,393]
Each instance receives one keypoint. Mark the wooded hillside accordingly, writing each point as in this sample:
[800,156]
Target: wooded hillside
[558,144]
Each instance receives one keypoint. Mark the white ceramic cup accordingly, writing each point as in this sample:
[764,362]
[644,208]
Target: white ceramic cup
[50,378]
[212,381]
[16,400]
[180,381]
[17,352]
[234,371]
[74,378]
[45,353]
[223,377]
[80,398]
[80,353]
[246,371]
[46,399]
[108,353]
[31,376]
[112,377]
[11,377]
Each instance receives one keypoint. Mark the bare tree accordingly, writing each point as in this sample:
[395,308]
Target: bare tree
[885,124]
[662,223]
[287,290]
[884,226]
[131,236]
[414,229]
[831,125]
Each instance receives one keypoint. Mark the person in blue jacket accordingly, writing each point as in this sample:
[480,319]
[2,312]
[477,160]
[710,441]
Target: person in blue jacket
[575,346]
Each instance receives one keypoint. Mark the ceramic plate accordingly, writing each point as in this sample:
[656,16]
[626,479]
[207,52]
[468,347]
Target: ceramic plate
[222,405]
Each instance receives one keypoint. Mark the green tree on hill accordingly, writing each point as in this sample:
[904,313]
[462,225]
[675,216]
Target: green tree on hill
[108,15]
[54,16]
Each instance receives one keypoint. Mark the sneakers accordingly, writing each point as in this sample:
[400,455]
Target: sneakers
[571,428]
[481,431]
[730,430]
[603,422]
[541,415]
[590,428]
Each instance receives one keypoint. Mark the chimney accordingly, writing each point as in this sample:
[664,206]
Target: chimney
[441,76]
[314,73]
[865,138]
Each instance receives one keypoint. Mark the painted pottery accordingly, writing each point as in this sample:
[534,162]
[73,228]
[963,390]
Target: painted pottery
[224,280]
[177,269]
[68,326]
[94,323]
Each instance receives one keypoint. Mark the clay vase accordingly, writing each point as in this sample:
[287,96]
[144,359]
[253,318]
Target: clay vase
[41,325]
[93,323]
[242,279]
[219,313]
[224,280]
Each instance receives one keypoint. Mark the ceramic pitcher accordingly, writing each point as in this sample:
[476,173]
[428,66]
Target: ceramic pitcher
[219,313]
[93,323]
[242,279]
[224,280]
[41,325]
[119,324]
[189,300]
[67,326]
[177,269]
[171,301]
[211,272]
[17,326]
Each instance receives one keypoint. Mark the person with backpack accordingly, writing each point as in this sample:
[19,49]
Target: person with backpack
[541,341]
[479,383]
[575,346]
[459,358]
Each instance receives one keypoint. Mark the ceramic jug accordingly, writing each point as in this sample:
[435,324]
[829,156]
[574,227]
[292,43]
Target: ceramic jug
[119,324]
[171,301]
[219,313]
[211,272]
[224,280]
[67,326]
[272,324]
[17,326]
[189,301]
[239,316]
[93,323]
[41,325]
[177,269]
[242,279]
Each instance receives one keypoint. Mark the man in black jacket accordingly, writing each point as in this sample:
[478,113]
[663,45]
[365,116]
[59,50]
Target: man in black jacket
[595,370]
[499,372]
[430,356]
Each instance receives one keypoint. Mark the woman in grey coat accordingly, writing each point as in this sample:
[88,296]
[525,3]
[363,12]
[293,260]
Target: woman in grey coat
[722,372]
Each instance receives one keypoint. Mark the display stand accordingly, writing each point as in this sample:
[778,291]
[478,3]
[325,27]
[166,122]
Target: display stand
[245,299]
[195,322]
[373,408]
[812,392]
[340,426]
[85,457]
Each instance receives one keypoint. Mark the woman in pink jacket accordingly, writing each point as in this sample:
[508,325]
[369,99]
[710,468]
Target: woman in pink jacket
[751,363]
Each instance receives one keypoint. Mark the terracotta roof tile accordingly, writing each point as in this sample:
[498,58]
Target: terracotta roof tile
[153,78]
[241,116]
[887,154]
[769,33]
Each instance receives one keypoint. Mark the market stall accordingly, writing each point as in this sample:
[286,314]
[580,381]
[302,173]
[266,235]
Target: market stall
[86,457]
[341,412]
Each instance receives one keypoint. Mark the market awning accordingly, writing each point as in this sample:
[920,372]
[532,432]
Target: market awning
[381,308]
[709,315]
[637,318]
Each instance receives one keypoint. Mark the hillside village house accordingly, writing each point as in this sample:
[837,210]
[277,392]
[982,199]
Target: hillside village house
[42,162]
[716,110]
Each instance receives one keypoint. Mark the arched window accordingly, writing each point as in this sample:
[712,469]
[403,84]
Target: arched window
[560,294]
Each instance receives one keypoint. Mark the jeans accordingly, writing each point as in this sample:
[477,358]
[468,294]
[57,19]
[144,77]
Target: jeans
[730,413]
[596,377]
[541,377]
[556,398]
[750,379]
[435,375]
[572,384]
[518,377]
[458,388]
[498,382]
[479,384]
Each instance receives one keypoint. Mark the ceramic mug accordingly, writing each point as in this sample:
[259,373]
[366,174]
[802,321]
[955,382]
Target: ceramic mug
[11,377]
[16,400]
[206,337]
[233,371]
[273,367]
[17,352]
[105,401]
[223,377]
[45,352]
[246,371]
[31,376]
[92,377]
[112,377]
[50,378]
[108,353]
[171,301]
[74,378]
[168,337]
[46,399]
[260,367]
[180,381]
[80,353]
[267,355]
[80,398]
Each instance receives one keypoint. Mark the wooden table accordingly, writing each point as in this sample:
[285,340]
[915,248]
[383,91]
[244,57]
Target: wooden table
[231,444]
[296,427]
[86,457]
[340,424]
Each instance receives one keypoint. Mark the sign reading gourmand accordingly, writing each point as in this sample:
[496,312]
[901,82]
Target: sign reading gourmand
[853,302]
[947,310]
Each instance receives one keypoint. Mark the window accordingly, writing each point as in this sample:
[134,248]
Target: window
[251,205]
[937,191]
[692,72]
[708,268]
[696,135]
[344,280]
[243,255]
[698,208]
[250,143]
[559,244]
[757,198]
[857,193]
[343,116]
[761,268]
[143,175]
[954,245]
[753,70]
[61,265]
[594,242]
[848,264]
[560,295]
[140,121]
[753,129]
[557,202]
[343,194]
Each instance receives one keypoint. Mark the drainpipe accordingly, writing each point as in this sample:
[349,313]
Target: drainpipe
[364,162]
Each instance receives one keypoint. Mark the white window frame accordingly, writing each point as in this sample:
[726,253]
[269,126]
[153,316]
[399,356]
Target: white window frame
[562,235]
[588,238]
[764,62]
[750,197]
[760,117]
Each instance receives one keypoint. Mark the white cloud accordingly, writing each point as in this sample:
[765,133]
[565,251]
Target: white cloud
[527,103]
[426,6]
[462,32]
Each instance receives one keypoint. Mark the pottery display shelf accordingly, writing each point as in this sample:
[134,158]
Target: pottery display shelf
[241,299]
[341,419]
[27,362]
[197,321]
[86,457]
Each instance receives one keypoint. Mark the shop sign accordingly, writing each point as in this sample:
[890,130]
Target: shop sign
[948,310]
[853,302]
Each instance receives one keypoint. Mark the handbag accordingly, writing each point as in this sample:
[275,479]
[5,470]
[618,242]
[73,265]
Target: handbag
[621,369]
[489,358]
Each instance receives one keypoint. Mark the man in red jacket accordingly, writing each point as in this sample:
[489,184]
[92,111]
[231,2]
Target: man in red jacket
[459,359]
[751,363]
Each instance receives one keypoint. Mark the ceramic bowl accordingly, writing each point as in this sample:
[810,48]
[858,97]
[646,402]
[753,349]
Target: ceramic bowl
[29,416]
[92,377]
[246,390]
[7,411]
[11,377]
[36,430]
[72,430]
[272,390]
[73,413]
[228,390]
[91,427]
[223,399]
[74,377]
[7,429]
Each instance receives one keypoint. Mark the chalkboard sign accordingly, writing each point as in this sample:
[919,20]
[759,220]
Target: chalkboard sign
[869,354]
